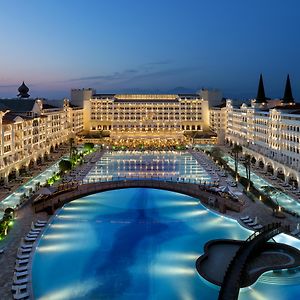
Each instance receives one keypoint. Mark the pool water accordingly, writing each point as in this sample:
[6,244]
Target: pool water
[138,244]
[171,165]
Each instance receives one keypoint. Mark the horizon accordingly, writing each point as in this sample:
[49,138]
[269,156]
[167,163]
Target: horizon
[149,47]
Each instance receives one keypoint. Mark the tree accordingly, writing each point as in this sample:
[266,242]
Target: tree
[236,151]
[64,165]
[216,153]
[88,147]
[72,147]
[247,164]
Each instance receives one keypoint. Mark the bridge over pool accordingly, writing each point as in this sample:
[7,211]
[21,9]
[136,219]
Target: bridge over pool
[66,193]
[235,276]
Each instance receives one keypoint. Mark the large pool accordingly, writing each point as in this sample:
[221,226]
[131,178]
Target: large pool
[134,244]
[171,165]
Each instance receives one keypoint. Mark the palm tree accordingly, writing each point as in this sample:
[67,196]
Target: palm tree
[236,151]
[72,148]
[247,164]
[216,153]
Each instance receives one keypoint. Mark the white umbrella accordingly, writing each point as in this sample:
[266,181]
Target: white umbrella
[44,191]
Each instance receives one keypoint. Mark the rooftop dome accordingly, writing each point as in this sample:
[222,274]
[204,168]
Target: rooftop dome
[23,91]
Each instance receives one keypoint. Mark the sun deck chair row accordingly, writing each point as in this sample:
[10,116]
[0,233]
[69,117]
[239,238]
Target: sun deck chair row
[251,222]
[20,278]
[296,233]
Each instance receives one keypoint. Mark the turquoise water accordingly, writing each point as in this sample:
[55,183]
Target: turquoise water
[281,198]
[171,165]
[138,244]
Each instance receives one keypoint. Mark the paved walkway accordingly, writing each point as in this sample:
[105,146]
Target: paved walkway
[24,219]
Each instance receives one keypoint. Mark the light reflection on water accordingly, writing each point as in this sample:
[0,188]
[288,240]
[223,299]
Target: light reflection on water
[137,248]
[152,164]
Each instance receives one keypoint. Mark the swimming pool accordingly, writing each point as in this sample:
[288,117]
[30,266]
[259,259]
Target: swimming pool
[281,198]
[14,198]
[171,165]
[139,244]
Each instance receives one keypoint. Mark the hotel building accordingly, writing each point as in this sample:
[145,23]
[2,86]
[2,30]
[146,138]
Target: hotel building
[144,117]
[31,129]
[268,130]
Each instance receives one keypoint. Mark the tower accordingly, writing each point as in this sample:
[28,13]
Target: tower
[261,97]
[288,95]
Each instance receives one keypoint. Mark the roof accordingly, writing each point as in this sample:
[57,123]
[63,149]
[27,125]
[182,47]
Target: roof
[261,97]
[10,117]
[288,95]
[17,105]
[48,106]
[223,104]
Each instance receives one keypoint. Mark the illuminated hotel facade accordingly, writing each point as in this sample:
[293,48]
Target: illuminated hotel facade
[145,116]
[30,129]
[269,131]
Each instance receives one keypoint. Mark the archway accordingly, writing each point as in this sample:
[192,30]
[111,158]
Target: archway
[270,169]
[292,180]
[22,170]
[280,174]
[39,160]
[261,164]
[12,175]
[253,160]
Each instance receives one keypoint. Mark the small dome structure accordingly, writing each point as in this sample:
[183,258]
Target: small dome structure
[23,91]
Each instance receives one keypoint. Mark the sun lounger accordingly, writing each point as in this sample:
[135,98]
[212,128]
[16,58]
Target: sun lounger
[252,224]
[34,229]
[30,239]
[42,222]
[257,227]
[23,256]
[26,250]
[295,232]
[39,225]
[21,269]
[21,274]
[244,218]
[26,246]
[248,221]
[32,236]
[20,281]
[19,287]
[22,261]
[21,296]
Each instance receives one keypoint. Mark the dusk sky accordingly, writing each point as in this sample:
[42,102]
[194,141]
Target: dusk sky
[149,46]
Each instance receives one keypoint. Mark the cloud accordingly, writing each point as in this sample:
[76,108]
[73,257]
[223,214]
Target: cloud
[4,86]
[142,70]
[110,77]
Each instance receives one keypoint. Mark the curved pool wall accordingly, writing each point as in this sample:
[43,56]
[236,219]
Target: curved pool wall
[175,165]
[139,244]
